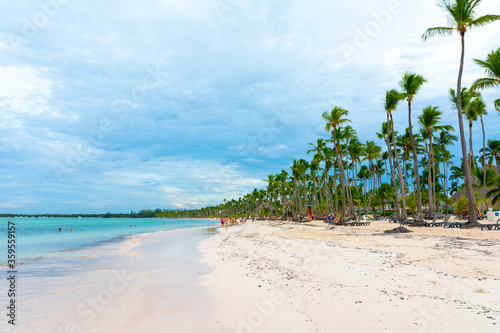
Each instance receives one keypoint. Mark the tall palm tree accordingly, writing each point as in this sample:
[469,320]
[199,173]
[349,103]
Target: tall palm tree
[392,99]
[356,150]
[443,140]
[466,97]
[478,108]
[462,16]
[429,120]
[410,84]
[347,134]
[491,67]
[372,151]
[321,154]
[334,119]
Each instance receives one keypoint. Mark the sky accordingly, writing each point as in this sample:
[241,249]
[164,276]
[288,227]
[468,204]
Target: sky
[128,105]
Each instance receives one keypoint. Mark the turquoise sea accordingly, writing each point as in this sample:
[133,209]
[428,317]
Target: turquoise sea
[38,238]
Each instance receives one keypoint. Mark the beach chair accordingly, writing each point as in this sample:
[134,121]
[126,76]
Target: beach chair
[427,224]
[440,224]
[453,224]
[492,226]
[407,223]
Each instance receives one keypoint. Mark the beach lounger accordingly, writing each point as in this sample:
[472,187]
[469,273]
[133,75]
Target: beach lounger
[453,224]
[407,222]
[440,224]
[491,226]
[427,224]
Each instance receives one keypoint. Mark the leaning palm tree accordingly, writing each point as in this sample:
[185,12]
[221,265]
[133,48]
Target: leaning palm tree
[334,119]
[462,17]
[410,84]
[491,67]
[392,99]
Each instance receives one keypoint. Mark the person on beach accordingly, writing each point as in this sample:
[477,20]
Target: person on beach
[221,221]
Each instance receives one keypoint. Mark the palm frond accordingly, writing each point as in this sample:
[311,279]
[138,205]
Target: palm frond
[497,105]
[484,20]
[437,31]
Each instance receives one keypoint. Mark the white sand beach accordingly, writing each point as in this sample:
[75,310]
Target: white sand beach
[290,277]
[271,277]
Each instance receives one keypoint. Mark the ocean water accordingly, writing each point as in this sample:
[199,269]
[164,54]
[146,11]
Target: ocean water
[126,270]
[38,238]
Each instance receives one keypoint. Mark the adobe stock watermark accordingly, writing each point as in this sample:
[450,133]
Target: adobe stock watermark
[372,29]
[32,25]
[121,110]
[89,309]
[260,140]
[262,310]
[223,8]
[426,316]
[308,263]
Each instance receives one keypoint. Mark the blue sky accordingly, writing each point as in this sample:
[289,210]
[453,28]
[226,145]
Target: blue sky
[123,105]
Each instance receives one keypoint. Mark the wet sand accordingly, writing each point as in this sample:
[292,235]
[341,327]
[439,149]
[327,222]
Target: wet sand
[145,283]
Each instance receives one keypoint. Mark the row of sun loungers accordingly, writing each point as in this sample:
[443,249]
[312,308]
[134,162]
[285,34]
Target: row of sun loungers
[445,223]
[492,226]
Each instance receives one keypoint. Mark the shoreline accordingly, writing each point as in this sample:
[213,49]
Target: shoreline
[143,283]
[311,277]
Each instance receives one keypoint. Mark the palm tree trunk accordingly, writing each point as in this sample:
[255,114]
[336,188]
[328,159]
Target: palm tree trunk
[471,152]
[484,163]
[320,195]
[429,183]
[467,171]
[402,183]
[355,172]
[433,168]
[341,171]
[416,177]
[372,187]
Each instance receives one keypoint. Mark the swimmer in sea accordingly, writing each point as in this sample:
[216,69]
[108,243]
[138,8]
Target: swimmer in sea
[71,229]
[60,229]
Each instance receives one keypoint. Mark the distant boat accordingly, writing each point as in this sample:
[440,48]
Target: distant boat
[79,217]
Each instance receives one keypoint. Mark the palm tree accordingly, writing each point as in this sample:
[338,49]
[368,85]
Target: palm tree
[372,151]
[429,120]
[492,151]
[356,150]
[466,97]
[347,134]
[486,179]
[333,120]
[443,140]
[478,108]
[392,99]
[491,67]
[494,194]
[410,85]
[271,183]
[462,17]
